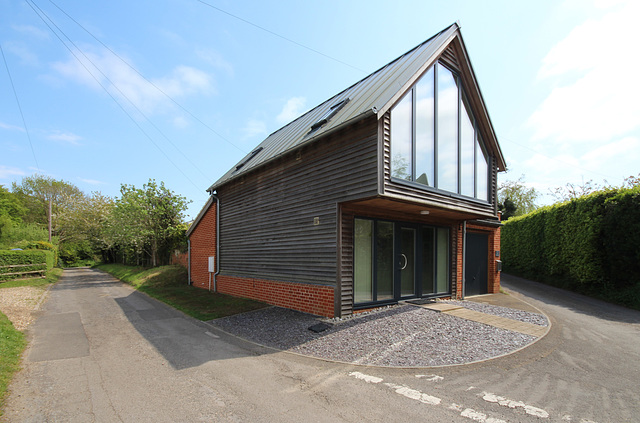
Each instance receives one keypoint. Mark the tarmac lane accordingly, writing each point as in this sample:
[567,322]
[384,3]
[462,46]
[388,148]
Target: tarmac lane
[102,352]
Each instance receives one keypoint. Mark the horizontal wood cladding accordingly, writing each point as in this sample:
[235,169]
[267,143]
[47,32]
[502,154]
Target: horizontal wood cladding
[431,198]
[345,300]
[280,222]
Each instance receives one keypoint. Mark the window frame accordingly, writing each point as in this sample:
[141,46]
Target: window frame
[463,101]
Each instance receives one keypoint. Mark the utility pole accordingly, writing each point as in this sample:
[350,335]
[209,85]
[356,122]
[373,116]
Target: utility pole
[50,201]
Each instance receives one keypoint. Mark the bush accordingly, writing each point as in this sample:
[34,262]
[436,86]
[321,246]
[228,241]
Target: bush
[12,234]
[590,245]
[28,260]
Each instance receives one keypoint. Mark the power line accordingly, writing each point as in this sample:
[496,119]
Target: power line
[148,81]
[24,122]
[101,85]
[281,36]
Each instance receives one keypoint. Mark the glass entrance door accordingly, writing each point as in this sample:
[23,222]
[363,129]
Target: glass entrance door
[396,260]
[407,262]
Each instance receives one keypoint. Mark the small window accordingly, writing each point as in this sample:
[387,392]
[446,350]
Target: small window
[251,156]
[329,114]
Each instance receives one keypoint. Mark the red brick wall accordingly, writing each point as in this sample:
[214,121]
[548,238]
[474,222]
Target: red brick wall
[203,246]
[314,299]
[178,258]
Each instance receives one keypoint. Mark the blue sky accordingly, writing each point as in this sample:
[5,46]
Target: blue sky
[180,90]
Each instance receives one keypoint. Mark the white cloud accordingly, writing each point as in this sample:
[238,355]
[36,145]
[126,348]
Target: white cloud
[291,110]
[31,30]
[91,181]
[10,127]
[216,60]
[594,70]
[7,172]
[66,137]
[254,127]
[23,52]
[101,68]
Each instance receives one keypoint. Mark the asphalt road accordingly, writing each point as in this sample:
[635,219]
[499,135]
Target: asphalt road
[101,352]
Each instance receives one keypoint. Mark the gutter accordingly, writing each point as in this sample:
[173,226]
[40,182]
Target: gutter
[189,261]
[215,275]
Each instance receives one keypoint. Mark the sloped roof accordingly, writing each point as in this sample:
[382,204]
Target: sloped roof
[373,95]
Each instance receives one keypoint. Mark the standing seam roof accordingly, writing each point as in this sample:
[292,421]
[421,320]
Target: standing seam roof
[371,94]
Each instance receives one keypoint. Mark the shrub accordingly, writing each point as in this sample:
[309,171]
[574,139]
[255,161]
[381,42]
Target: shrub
[28,260]
[590,244]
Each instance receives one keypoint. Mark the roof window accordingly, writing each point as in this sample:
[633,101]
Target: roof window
[329,114]
[251,156]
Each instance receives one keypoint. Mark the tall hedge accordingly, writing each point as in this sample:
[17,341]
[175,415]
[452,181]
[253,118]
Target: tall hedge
[33,258]
[590,244]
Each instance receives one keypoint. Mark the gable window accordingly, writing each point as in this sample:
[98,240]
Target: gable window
[434,137]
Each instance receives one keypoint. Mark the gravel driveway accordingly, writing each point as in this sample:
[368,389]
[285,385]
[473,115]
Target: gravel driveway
[398,336]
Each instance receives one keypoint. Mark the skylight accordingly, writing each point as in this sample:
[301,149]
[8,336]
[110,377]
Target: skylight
[329,114]
[251,156]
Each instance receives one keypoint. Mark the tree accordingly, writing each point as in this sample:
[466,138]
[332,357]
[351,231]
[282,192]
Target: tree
[11,210]
[147,220]
[45,197]
[515,198]
[81,225]
[572,191]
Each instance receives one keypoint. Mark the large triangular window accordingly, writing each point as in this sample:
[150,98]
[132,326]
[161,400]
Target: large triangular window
[435,140]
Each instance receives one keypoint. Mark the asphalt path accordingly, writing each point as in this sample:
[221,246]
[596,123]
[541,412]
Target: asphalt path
[101,352]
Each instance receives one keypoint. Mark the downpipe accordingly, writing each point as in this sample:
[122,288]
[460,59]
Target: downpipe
[217,255]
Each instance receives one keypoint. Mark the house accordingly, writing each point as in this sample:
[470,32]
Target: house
[385,192]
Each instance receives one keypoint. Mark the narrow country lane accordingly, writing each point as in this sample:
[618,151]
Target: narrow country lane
[101,352]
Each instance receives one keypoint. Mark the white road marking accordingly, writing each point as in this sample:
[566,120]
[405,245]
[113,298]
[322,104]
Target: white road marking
[479,417]
[430,378]
[464,412]
[414,394]
[529,409]
[212,335]
[366,378]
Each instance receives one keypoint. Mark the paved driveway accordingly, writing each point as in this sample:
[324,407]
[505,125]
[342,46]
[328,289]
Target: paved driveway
[102,352]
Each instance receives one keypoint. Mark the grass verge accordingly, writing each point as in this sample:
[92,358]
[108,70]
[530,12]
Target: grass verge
[169,285]
[12,342]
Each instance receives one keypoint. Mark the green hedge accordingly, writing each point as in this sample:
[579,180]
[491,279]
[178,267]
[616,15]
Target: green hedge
[590,245]
[26,257]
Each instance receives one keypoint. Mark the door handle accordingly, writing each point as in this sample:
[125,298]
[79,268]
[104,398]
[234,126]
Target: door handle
[406,261]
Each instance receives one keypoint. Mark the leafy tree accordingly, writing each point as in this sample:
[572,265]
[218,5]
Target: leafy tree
[81,227]
[515,198]
[147,220]
[11,210]
[45,197]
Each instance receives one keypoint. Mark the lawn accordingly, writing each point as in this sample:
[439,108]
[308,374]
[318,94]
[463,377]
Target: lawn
[169,285]
[12,341]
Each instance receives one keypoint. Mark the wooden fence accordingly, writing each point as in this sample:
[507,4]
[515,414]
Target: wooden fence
[24,272]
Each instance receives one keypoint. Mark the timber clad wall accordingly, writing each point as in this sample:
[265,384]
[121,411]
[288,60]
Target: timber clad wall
[281,222]
[203,246]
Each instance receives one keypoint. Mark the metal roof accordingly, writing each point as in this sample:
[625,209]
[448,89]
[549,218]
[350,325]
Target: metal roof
[374,94]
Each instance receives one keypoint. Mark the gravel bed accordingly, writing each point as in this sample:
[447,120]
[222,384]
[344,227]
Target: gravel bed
[399,336]
[19,303]
[509,313]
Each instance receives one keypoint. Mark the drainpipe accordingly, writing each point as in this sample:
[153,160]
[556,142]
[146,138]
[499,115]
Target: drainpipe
[215,275]
[464,255]
[188,262]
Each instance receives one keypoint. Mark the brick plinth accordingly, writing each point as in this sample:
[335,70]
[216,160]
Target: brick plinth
[313,299]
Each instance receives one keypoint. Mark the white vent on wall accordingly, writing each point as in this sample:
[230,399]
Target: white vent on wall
[212,264]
